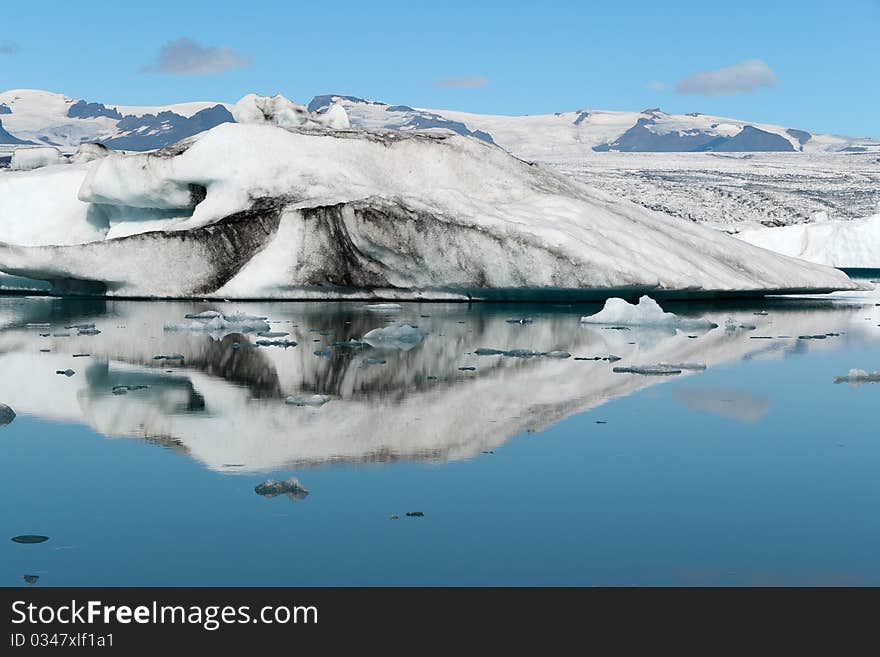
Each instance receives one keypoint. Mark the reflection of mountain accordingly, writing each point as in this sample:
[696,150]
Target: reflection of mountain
[225,406]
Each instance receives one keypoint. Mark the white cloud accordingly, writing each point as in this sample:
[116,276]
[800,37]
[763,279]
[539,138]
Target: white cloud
[464,82]
[7,48]
[186,57]
[728,81]
[656,86]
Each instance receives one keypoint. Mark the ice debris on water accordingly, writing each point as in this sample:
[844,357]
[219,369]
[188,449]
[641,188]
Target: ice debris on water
[7,415]
[29,539]
[857,377]
[522,320]
[272,334]
[124,390]
[277,343]
[402,336]
[521,353]
[383,307]
[308,400]
[214,322]
[648,370]
[373,361]
[731,325]
[169,357]
[68,373]
[273,488]
[80,327]
[646,312]
[350,344]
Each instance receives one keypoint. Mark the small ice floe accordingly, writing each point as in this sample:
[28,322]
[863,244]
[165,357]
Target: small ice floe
[68,373]
[731,326]
[272,334]
[818,336]
[90,331]
[80,327]
[203,316]
[467,369]
[648,370]
[61,335]
[273,488]
[29,539]
[383,307]
[277,343]
[31,579]
[214,322]
[323,353]
[761,313]
[124,390]
[38,325]
[402,336]
[7,415]
[415,514]
[80,355]
[308,400]
[521,353]
[243,345]
[169,357]
[857,377]
[373,361]
[521,320]
[694,367]
[647,312]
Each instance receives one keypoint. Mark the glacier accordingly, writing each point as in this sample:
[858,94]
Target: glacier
[853,244]
[272,209]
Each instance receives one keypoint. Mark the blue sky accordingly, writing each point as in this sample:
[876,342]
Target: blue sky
[811,65]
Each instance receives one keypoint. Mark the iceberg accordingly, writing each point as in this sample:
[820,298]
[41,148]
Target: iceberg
[7,415]
[857,377]
[286,205]
[401,337]
[646,312]
[35,157]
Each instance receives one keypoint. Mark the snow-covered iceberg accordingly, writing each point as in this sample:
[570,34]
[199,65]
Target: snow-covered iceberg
[256,210]
[850,244]
[646,312]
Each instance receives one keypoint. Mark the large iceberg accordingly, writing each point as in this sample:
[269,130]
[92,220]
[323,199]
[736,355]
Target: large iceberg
[315,210]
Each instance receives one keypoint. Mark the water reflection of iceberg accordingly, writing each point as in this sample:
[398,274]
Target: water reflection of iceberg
[225,405]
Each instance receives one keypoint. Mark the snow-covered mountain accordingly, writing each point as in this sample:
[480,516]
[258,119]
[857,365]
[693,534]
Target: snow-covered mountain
[563,135]
[29,116]
[42,117]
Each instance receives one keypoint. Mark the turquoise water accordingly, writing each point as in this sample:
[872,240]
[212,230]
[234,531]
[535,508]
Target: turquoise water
[759,469]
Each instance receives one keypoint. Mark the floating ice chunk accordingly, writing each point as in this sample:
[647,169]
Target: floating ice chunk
[350,344]
[88,331]
[521,353]
[383,307]
[68,372]
[28,158]
[403,337]
[695,367]
[649,370]
[521,320]
[646,313]
[169,357]
[857,377]
[373,361]
[215,323]
[308,400]
[7,415]
[556,354]
[486,351]
[80,327]
[277,343]
[273,334]
[206,315]
[272,488]
[124,390]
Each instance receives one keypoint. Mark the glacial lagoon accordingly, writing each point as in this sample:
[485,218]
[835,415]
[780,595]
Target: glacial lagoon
[148,453]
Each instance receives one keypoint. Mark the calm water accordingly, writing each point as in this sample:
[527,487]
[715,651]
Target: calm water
[758,470]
